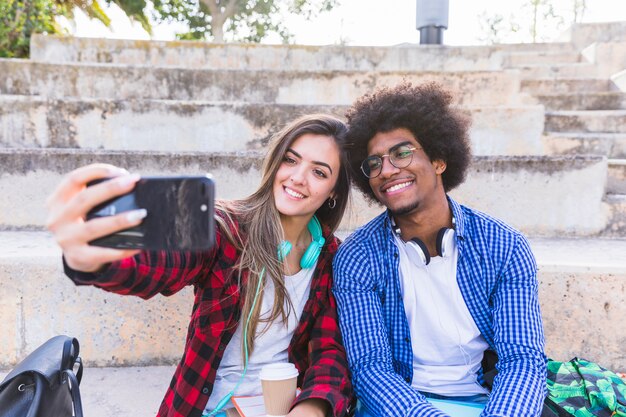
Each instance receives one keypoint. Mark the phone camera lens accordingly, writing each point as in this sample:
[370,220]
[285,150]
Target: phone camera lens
[203,207]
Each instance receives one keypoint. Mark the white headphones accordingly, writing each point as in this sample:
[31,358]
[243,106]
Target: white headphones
[417,250]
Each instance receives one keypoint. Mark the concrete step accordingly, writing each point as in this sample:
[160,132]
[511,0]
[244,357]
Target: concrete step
[522,59]
[160,125]
[163,125]
[617,177]
[580,35]
[616,224]
[119,82]
[610,57]
[592,121]
[588,101]
[581,294]
[582,70]
[115,391]
[542,86]
[613,145]
[542,196]
[187,54]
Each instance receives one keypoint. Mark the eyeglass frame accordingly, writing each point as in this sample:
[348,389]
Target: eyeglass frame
[388,154]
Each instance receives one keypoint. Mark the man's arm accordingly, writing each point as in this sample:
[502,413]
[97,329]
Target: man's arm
[365,336]
[519,387]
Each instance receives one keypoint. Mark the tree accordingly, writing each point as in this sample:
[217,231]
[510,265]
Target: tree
[19,19]
[542,20]
[542,13]
[578,8]
[495,28]
[241,20]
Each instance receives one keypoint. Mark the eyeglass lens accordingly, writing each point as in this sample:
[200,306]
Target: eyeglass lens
[399,156]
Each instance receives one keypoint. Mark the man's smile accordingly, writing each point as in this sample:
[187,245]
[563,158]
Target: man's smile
[395,186]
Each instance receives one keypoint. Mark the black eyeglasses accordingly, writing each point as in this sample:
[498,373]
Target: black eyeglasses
[400,156]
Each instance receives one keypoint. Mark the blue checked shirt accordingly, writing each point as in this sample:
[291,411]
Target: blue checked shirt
[496,273]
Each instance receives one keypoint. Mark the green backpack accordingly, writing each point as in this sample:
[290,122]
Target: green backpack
[583,389]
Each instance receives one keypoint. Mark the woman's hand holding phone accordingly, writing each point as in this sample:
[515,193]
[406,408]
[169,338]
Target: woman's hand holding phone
[68,205]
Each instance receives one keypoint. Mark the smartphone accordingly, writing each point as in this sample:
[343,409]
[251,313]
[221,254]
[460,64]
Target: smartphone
[180,214]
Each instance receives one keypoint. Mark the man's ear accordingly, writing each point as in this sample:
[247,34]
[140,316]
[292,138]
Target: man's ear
[440,166]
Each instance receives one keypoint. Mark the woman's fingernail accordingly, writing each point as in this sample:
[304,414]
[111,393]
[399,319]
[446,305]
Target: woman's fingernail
[128,179]
[116,172]
[134,215]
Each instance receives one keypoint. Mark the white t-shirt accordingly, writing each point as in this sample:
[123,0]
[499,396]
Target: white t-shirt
[447,346]
[269,347]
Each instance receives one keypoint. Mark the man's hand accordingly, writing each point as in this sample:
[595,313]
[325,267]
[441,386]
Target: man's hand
[313,407]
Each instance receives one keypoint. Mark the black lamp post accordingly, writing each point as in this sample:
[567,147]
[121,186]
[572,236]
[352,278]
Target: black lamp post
[432,20]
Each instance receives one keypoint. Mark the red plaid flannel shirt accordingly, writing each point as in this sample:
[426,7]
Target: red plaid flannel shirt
[315,347]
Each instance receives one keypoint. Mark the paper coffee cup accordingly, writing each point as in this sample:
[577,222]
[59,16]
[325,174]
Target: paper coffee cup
[279,383]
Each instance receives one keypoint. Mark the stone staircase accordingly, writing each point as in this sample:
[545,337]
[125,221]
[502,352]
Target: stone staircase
[548,134]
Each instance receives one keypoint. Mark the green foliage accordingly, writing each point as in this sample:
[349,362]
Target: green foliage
[241,20]
[21,18]
[135,10]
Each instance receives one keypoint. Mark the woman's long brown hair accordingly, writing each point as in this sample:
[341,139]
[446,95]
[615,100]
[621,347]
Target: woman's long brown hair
[259,220]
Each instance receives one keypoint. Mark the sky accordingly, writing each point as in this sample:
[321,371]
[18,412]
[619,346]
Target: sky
[365,22]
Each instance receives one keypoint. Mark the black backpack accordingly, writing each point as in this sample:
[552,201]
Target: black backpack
[44,383]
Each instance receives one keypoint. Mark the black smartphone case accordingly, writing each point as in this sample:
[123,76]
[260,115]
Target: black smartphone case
[180,214]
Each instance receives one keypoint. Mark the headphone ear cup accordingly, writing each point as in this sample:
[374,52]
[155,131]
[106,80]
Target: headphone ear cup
[417,252]
[310,255]
[315,247]
[445,241]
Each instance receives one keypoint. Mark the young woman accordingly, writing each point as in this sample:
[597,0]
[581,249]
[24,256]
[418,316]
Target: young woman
[258,299]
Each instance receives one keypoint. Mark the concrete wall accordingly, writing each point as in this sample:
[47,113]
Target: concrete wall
[581,304]
[542,196]
[405,57]
[582,35]
[120,82]
[32,121]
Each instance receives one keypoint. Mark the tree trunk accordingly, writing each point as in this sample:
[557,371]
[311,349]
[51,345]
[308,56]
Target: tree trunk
[533,28]
[219,14]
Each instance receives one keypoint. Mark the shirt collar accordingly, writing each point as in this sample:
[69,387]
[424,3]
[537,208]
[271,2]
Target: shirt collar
[457,213]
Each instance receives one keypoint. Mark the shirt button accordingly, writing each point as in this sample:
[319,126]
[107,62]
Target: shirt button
[395,254]
[407,379]
[205,390]
[222,346]
[406,339]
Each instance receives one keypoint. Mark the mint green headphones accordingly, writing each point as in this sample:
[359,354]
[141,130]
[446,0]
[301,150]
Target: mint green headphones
[312,252]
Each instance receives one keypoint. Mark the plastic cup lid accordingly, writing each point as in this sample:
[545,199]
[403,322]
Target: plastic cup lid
[278,371]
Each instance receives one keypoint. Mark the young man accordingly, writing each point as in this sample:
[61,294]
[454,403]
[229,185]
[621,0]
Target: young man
[424,289]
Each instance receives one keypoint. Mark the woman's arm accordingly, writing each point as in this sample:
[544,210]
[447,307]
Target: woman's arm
[149,273]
